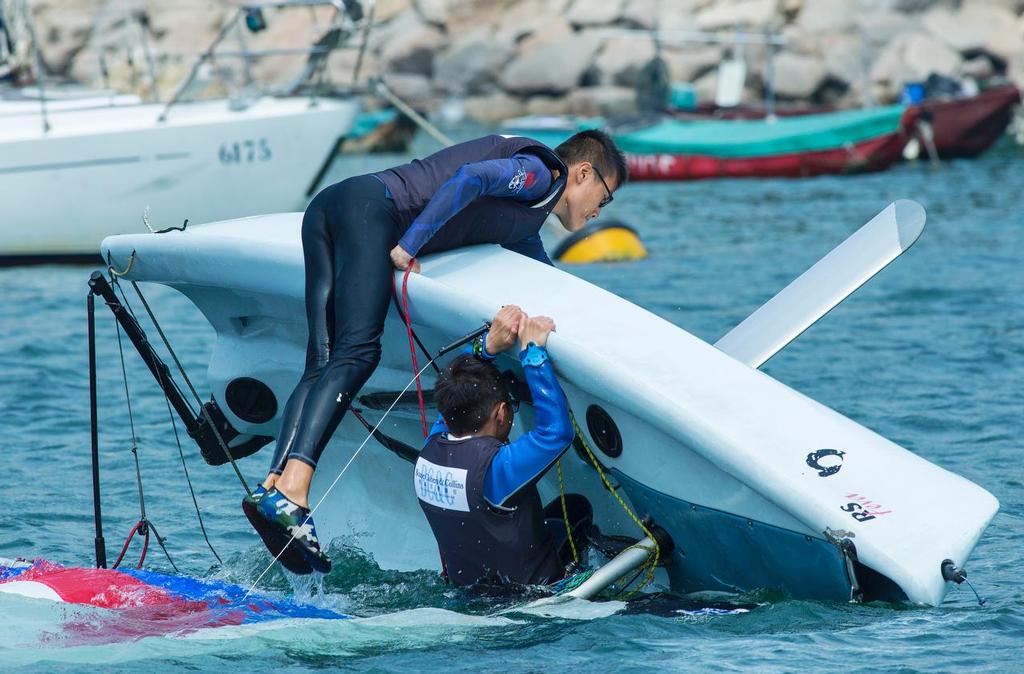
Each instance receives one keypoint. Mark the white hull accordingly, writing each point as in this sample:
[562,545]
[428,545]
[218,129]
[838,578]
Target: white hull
[716,451]
[96,170]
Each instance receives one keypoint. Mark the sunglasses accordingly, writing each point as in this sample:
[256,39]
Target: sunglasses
[516,390]
[608,199]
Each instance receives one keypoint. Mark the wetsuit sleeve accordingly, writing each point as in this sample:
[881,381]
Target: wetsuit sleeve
[439,427]
[531,246]
[522,177]
[520,463]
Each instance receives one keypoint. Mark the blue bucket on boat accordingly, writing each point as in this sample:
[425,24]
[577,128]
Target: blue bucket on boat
[683,96]
[913,93]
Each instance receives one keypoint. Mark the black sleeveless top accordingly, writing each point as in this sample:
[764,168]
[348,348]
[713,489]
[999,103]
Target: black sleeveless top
[477,541]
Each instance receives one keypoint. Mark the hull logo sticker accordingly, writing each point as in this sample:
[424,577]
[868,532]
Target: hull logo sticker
[826,461]
[863,509]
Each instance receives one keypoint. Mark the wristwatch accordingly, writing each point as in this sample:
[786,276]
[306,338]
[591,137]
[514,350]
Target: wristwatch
[478,347]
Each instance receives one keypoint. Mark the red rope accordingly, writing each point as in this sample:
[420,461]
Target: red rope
[412,343]
[416,369]
[127,542]
[145,547]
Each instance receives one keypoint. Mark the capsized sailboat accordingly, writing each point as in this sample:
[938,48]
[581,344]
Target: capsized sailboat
[756,484]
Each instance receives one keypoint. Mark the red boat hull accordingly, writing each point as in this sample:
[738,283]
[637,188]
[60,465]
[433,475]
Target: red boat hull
[962,128]
[966,127]
[875,154]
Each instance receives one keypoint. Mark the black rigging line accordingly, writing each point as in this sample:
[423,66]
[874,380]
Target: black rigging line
[144,521]
[202,408]
[184,467]
[166,342]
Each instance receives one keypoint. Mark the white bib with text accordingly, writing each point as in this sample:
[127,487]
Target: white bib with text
[441,486]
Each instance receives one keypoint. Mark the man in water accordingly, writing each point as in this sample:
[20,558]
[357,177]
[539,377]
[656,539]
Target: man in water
[357,232]
[477,489]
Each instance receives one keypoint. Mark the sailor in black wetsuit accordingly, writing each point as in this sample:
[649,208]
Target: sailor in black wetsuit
[357,232]
[477,489]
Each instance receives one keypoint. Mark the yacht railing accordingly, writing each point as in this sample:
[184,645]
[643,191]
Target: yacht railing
[346,19]
[38,69]
[737,39]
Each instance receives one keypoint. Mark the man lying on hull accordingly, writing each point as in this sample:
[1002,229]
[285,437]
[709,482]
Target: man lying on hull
[355,234]
[477,489]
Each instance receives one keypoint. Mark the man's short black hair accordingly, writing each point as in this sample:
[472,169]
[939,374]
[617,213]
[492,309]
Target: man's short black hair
[598,148]
[467,391]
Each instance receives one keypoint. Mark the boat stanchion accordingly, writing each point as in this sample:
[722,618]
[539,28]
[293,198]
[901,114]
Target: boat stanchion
[199,428]
[209,427]
[101,546]
[465,339]
[99,286]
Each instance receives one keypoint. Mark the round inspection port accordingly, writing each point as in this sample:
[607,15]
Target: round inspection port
[603,431]
[250,400]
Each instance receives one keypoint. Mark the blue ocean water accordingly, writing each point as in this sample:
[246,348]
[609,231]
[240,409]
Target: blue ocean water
[930,354]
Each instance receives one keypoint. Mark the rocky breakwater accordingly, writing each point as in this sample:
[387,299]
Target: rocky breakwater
[503,58]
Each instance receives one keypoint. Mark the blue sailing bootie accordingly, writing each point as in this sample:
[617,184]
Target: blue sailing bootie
[293,522]
[273,537]
[257,493]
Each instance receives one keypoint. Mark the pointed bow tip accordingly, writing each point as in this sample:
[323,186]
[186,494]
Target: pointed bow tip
[910,218]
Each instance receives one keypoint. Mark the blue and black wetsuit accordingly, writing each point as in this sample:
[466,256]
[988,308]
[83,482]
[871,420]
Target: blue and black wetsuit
[480,495]
[489,190]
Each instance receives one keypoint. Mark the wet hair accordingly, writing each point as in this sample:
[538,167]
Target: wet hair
[598,148]
[467,391]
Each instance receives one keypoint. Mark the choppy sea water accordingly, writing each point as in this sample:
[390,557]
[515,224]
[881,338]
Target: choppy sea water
[930,354]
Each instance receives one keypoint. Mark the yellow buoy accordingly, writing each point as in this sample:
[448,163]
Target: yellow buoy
[601,242]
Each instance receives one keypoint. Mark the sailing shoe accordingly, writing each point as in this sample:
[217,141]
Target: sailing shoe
[273,537]
[294,522]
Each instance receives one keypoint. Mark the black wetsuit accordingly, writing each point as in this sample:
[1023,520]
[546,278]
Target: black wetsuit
[348,232]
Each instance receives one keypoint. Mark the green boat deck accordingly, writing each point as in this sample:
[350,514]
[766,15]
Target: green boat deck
[735,138]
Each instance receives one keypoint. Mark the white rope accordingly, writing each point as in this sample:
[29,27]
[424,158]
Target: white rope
[340,474]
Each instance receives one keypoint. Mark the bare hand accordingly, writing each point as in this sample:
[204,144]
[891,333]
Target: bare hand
[401,259]
[504,329]
[535,329]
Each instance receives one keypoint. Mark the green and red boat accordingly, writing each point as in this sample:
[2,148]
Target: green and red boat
[849,141]
[962,126]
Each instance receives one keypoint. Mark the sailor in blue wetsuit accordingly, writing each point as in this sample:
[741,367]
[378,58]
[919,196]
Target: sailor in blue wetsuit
[357,232]
[477,489]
